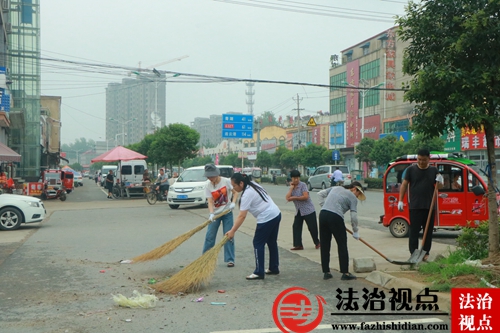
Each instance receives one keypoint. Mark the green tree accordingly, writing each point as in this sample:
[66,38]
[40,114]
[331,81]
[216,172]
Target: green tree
[276,157]
[311,156]
[420,141]
[232,159]
[173,144]
[268,119]
[81,145]
[263,159]
[289,160]
[363,150]
[453,59]
[76,166]
[383,150]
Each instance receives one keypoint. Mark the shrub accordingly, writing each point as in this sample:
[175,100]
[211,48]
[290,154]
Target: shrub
[374,182]
[473,242]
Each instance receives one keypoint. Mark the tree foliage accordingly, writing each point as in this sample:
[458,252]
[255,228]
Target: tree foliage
[81,145]
[276,157]
[383,150]
[289,160]
[453,59]
[363,150]
[263,159]
[311,156]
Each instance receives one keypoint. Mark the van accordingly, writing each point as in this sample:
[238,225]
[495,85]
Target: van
[461,200]
[189,188]
[255,173]
[131,172]
[105,170]
[321,178]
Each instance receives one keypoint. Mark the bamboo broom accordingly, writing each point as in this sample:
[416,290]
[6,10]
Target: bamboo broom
[193,276]
[172,244]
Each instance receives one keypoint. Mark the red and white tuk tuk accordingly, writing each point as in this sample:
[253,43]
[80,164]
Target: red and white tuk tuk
[461,201]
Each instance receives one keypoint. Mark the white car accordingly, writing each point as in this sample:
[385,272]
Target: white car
[189,188]
[16,209]
[78,179]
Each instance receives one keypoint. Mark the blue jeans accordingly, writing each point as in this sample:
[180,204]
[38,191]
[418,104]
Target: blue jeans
[267,233]
[227,224]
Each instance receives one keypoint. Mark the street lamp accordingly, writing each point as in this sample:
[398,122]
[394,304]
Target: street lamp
[116,138]
[363,92]
[123,123]
[107,148]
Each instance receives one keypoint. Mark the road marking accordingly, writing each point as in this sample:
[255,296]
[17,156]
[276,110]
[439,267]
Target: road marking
[329,327]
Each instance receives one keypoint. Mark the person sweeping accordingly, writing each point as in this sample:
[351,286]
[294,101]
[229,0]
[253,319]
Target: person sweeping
[254,199]
[217,193]
[335,202]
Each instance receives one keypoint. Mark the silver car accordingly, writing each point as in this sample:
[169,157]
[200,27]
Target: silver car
[323,174]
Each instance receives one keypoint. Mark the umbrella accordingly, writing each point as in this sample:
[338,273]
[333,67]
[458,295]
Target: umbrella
[8,155]
[119,154]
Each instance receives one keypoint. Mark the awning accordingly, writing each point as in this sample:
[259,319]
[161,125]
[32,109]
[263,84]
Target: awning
[8,155]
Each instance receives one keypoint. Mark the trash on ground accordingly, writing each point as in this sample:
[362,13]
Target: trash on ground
[152,281]
[102,271]
[218,303]
[474,263]
[198,299]
[127,261]
[221,291]
[128,320]
[137,301]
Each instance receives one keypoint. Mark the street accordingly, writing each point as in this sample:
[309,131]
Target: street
[59,275]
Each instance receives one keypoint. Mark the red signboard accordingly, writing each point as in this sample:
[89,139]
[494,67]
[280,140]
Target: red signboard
[372,126]
[33,189]
[352,104]
[472,139]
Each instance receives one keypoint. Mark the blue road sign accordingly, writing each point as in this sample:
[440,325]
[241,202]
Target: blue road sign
[336,155]
[237,126]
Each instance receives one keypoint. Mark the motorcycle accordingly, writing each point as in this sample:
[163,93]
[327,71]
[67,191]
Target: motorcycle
[155,195]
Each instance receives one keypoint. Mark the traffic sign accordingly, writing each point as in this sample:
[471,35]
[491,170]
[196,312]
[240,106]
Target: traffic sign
[311,122]
[237,126]
[336,155]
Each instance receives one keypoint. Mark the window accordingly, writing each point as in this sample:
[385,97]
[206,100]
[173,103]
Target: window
[372,98]
[338,105]
[126,170]
[366,50]
[452,176]
[396,126]
[370,70]
[337,80]
[394,178]
[138,169]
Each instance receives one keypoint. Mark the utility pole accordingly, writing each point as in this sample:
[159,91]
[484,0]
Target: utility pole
[300,121]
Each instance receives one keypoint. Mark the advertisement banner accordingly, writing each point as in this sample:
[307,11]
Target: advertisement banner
[337,135]
[372,127]
[352,104]
[472,139]
[268,145]
[404,136]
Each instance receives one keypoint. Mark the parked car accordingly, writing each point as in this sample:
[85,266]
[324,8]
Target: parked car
[105,170]
[322,176]
[78,179]
[16,209]
[86,174]
[189,188]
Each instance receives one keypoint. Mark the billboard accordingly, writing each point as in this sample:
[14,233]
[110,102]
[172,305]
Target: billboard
[337,135]
[352,104]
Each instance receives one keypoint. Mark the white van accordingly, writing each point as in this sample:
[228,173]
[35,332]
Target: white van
[132,171]
[105,170]
[189,188]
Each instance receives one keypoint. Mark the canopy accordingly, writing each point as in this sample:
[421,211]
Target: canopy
[8,155]
[119,154]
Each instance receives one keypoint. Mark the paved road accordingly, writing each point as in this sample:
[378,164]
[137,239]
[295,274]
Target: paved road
[52,281]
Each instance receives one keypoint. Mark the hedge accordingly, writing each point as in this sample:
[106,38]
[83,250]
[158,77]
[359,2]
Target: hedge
[374,182]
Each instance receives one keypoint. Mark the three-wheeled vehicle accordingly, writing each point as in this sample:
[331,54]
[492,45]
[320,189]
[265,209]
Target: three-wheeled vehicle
[461,200]
[56,184]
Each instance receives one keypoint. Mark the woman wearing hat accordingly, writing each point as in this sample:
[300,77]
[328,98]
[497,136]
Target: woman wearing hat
[217,193]
[335,202]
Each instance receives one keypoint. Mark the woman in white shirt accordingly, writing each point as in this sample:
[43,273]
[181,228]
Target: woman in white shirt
[254,199]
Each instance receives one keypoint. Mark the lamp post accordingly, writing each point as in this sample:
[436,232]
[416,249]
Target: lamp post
[363,92]
[116,138]
[123,123]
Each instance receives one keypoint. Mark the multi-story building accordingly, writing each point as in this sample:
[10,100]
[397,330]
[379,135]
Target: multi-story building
[50,141]
[23,70]
[210,129]
[364,95]
[134,108]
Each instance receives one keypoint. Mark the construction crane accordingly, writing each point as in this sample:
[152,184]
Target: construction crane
[139,69]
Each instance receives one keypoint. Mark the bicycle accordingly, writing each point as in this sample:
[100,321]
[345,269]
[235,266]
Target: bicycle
[155,195]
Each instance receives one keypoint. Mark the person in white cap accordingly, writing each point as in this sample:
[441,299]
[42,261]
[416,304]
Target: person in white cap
[335,202]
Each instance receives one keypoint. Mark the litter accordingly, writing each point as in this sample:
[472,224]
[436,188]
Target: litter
[198,299]
[137,301]
[128,261]
[128,320]
[102,271]
[152,281]
[221,291]
[218,303]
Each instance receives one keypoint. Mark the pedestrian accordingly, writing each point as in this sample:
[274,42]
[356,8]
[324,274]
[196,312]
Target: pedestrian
[304,211]
[337,178]
[254,199]
[421,178]
[96,177]
[109,184]
[217,193]
[99,179]
[162,182]
[335,202]
[274,178]
[146,178]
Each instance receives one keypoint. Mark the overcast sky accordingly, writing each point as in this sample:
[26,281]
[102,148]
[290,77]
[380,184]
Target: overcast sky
[221,38]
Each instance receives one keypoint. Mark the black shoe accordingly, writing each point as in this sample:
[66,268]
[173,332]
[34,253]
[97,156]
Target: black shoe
[348,276]
[327,276]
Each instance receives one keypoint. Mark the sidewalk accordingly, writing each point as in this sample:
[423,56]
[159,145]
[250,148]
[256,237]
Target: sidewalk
[393,248]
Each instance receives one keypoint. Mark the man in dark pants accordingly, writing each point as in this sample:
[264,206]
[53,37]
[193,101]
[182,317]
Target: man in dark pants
[421,177]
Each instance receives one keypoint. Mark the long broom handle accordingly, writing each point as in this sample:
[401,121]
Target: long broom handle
[371,247]
[430,214]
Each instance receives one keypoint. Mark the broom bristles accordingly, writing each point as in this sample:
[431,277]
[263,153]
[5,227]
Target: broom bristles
[193,276]
[171,245]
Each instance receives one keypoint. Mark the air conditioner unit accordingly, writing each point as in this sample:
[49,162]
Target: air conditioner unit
[5,5]
[8,28]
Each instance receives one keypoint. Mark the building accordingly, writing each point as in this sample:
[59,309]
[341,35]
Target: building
[135,107]
[362,98]
[50,142]
[23,70]
[210,129]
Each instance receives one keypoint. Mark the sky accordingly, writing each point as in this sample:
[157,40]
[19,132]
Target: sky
[227,38]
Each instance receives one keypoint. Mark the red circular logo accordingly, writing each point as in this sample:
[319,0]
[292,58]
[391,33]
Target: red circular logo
[293,311]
